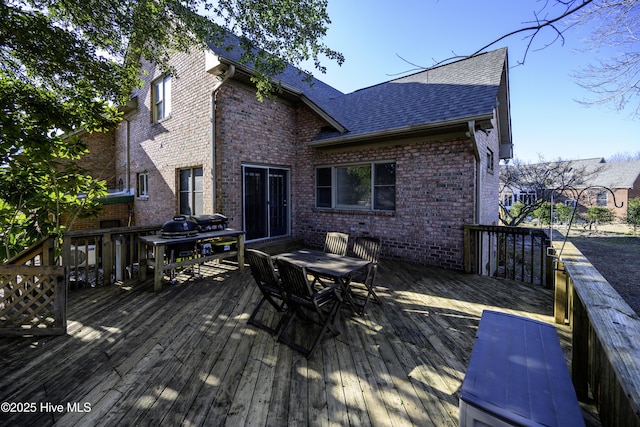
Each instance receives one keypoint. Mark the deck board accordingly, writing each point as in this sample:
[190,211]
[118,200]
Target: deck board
[186,356]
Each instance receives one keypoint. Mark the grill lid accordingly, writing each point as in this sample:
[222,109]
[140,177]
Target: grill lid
[210,222]
[179,226]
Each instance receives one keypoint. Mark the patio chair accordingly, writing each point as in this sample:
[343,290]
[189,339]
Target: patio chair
[336,243]
[266,277]
[366,248]
[319,305]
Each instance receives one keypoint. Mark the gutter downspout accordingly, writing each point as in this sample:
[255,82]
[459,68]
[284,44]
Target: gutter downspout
[478,193]
[222,78]
[128,160]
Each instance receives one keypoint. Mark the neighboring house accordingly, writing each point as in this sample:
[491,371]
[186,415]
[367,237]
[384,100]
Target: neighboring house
[609,185]
[410,160]
[612,185]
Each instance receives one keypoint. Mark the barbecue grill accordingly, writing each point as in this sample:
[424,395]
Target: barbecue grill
[210,222]
[179,226]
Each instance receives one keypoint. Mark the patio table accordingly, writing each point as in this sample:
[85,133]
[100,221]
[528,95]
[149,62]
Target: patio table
[159,243]
[336,267]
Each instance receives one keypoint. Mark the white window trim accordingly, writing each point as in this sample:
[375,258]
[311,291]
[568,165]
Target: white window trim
[164,83]
[191,191]
[142,178]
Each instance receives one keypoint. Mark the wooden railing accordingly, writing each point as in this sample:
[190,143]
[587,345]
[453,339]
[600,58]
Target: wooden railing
[34,283]
[510,252]
[103,256]
[33,293]
[606,338]
[33,300]
[40,253]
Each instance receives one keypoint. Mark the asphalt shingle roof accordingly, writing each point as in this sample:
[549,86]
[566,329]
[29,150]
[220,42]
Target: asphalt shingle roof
[598,173]
[460,90]
[615,174]
[463,89]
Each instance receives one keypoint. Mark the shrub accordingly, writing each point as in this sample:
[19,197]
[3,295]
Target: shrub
[633,213]
[599,215]
[543,213]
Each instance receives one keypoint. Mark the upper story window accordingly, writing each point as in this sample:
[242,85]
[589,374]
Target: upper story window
[367,186]
[161,98]
[191,198]
[490,160]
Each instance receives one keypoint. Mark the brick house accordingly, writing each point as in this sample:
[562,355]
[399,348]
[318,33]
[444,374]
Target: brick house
[410,160]
[610,185]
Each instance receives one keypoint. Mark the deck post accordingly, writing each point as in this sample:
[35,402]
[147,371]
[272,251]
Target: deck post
[580,349]
[107,258]
[467,249]
[560,297]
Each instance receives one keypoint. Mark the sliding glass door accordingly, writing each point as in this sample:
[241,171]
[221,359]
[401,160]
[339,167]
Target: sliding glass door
[266,202]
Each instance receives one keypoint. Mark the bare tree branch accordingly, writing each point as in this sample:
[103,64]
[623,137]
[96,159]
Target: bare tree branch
[537,25]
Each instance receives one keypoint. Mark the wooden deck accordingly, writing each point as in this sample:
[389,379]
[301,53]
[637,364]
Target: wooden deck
[186,356]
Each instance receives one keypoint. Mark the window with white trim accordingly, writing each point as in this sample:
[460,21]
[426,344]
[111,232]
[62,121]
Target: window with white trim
[191,194]
[161,98]
[602,198]
[365,186]
[142,185]
[490,160]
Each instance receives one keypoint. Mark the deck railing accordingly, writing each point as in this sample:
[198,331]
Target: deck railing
[605,364]
[34,283]
[103,256]
[606,338]
[33,293]
[510,252]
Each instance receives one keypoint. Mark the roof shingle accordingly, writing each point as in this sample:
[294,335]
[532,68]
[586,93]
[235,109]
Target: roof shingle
[461,90]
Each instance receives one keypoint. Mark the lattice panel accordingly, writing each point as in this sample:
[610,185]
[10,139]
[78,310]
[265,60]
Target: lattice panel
[33,300]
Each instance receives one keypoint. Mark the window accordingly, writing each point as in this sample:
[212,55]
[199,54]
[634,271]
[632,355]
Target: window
[369,186]
[527,198]
[490,160]
[142,185]
[601,199]
[161,98]
[191,196]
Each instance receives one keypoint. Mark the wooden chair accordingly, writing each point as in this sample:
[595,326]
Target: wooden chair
[268,282]
[367,248]
[318,305]
[336,243]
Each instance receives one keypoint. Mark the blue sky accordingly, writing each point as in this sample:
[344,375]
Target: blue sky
[545,117]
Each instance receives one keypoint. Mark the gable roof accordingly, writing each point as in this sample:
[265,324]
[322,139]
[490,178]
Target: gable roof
[455,93]
[598,173]
[615,175]
[315,93]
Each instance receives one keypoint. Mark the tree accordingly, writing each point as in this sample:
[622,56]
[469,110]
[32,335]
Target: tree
[537,184]
[65,66]
[599,215]
[632,216]
[615,26]
[612,23]
[624,157]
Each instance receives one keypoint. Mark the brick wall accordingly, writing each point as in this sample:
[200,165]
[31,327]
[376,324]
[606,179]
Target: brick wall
[434,198]
[249,132]
[489,177]
[181,141]
[100,159]
[115,211]
[435,179]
